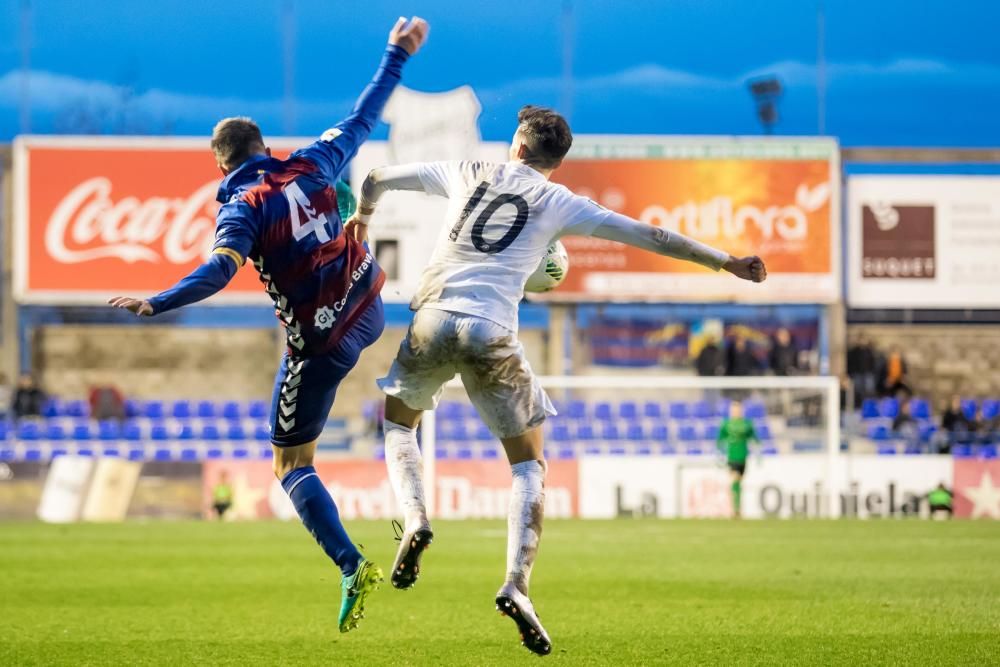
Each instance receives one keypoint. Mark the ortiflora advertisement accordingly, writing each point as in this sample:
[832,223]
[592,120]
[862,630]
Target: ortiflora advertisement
[923,241]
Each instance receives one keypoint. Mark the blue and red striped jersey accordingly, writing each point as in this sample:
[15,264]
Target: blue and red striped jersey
[283,215]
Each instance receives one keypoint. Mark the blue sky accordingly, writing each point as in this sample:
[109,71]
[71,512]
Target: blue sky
[899,73]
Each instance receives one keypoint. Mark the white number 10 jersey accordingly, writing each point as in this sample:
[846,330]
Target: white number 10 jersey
[501,219]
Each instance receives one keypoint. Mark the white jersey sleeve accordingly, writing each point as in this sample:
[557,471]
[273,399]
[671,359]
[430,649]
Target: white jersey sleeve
[581,216]
[449,179]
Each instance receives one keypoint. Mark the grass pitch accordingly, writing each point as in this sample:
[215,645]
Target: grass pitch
[619,593]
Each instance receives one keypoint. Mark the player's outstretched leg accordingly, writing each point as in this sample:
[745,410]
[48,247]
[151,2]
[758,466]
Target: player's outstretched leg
[524,531]
[402,458]
[293,466]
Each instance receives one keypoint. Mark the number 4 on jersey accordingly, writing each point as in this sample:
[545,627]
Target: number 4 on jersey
[299,205]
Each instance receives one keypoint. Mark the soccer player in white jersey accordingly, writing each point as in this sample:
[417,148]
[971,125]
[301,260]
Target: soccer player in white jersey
[500,220]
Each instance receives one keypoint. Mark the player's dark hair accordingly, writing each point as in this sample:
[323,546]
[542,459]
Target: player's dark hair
[234,140]
[547,137]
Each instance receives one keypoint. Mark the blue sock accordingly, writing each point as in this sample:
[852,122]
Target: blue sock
[319,514]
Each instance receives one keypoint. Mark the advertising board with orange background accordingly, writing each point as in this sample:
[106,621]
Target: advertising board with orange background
[96,217]
[774,198]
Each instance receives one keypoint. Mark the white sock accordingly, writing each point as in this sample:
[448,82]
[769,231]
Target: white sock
[524,520]
[406,474]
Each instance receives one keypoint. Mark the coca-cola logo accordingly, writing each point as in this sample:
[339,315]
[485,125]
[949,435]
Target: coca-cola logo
[89,224]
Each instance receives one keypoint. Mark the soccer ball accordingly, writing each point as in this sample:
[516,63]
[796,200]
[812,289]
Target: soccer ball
[551,270]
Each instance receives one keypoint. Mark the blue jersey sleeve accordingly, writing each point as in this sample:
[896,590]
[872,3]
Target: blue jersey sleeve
[235,238]
[340,143]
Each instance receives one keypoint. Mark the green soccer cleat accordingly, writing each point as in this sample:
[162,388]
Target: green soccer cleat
[354,591]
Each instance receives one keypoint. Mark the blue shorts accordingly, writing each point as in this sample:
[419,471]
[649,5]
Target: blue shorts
[304,387]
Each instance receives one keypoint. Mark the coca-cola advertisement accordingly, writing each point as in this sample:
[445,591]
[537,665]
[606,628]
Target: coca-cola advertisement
[96,217]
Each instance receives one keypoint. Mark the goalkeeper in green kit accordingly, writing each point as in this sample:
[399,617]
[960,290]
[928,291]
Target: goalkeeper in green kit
[735,434]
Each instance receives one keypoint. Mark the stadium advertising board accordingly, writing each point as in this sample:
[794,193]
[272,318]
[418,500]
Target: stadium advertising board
[361,489]
[774,487]
[97,216]
[923,241]
[777,198]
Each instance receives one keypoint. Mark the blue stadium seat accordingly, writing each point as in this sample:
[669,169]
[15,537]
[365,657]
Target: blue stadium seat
[887,450]
[210,432]
[189,454]
[560,433]
[610,432]
[711,432]
[76,409]
[136,454]
[265,453]
[927,429]
[133,408]
[667,450]
[754,410]
[988,451]
[888,408]
[490,453]
[643,450]
[763,430]
[769,451]
[703,410]
[688,433]
[920,409]
[108,429]
[878,432]
[679,411]
[592,450]
[261,432]
[962,451]
[722,408]
[131,431]
[214,453]
[3,431]
[652,410]
[576,410]
[617,450]
[603,412]
[181,410]
[441,453]
[159,432]
[206,409]
[869,409]
[153,410]
[694,450]
[111,451]
[7,454]
[84,451]
[585,432]
[449,410]
[231,410]
[659,433]
[241,453]
[463,454]
[483,432]
[81,431]
[33,454]
[969,408]
[50,408]
[912,450]
[565,453]
[628,410]
[186,432]
[258,410]
[236,432]
[54,432]
[58,451]
[991,408]
[635,432]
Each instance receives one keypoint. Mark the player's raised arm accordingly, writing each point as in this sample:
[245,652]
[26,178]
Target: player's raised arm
[623,229]
[340,143]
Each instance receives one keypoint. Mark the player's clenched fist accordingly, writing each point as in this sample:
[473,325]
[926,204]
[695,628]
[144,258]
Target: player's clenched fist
[136,306]
[409,35]
[747,268]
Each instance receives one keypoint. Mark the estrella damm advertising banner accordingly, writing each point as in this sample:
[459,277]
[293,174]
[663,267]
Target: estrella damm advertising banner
[776,198]
[101,216]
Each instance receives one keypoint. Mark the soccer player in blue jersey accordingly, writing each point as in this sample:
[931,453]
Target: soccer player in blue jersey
[283,215]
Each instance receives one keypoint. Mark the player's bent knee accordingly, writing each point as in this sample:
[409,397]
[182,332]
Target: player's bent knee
[287,459]
[398,412]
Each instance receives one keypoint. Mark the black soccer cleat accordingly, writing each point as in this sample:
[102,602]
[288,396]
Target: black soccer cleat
[412,545]
[515,605]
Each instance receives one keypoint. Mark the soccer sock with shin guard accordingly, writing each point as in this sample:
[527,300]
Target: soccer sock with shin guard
[524,520]
[319,514]
[402,458]
[737,490]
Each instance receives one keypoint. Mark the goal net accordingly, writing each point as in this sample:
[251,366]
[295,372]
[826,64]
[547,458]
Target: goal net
[637,446]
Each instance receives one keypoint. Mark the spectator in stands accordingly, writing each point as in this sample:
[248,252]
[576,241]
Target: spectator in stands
[940,501]
[893,377]
[954,420]
[739,360]
[106,402]
[5,396]
[28,399]
[710,360]
[985,428]
[861,367]
[783,357]
[905,425]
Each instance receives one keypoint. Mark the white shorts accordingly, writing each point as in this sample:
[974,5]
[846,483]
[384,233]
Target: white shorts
[490,359]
